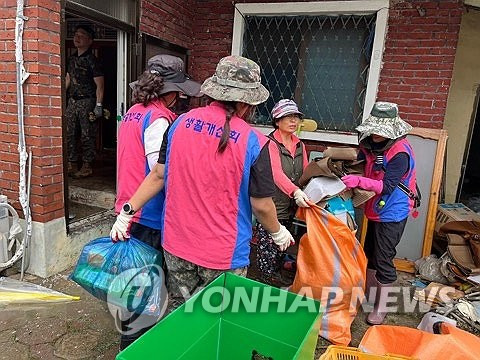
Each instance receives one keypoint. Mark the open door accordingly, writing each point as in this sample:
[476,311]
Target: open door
[469,183]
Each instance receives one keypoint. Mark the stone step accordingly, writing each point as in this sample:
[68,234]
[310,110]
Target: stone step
[98,198]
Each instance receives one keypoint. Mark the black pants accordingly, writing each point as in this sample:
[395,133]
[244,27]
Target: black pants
[380,242]
[153,238]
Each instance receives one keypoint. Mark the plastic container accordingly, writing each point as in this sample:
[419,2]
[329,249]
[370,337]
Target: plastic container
[284,328]
[336,352]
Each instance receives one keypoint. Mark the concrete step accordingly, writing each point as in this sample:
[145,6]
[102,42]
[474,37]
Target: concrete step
[98,198]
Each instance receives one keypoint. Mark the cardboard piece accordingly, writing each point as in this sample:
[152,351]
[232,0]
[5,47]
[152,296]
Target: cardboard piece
[436,294]
[454,212]
[460,252]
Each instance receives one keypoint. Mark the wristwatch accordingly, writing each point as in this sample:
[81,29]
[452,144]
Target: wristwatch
[128,209]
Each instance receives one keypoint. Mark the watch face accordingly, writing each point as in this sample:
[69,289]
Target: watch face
[127,208]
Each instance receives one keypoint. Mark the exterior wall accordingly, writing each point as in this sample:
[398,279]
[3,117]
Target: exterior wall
[418,59]
[418,63]
[169,20]
[43,114]
[460,106]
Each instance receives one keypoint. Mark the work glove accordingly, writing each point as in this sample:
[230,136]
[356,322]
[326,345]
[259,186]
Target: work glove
[282,238]
[301,199]
[120,228]
[354,181]
[98,111]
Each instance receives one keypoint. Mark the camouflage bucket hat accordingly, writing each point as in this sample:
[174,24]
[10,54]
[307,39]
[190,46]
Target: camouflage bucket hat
[384,121]
[236,79]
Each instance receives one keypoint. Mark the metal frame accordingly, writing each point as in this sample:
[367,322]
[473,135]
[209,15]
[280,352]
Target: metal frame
[93,15]
[125,33]
[363,7]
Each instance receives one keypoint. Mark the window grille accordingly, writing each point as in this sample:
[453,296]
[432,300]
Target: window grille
[321,62]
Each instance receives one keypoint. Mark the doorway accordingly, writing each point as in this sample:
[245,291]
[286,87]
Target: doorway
[469,190]
[96,193]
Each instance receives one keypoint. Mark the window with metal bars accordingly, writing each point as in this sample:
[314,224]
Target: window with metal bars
[321,62]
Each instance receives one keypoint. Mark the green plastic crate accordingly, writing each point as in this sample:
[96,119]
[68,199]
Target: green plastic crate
[225,321]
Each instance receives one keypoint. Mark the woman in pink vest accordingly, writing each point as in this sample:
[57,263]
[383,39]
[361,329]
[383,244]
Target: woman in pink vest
[390,173]
[216,169]
[288,157]
[139,140]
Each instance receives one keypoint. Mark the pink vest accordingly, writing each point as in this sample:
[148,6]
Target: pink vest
[397,205]
[207,212]
[132,164]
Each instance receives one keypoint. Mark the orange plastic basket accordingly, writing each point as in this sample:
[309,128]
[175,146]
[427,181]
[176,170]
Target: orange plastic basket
[336,352]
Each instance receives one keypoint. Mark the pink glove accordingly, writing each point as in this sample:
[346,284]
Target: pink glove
[353,181]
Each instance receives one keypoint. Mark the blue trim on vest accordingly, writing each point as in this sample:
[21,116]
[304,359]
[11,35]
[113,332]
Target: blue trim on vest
[150,211]
[241,252]
[170,134]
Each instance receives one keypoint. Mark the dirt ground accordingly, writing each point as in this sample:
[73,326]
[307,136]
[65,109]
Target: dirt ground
[85,329]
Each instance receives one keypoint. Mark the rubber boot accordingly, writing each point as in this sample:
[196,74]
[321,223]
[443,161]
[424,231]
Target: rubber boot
[379,312]
[71,168]
[85,171]
[371,283]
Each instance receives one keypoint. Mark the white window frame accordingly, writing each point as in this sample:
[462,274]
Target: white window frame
[363,7]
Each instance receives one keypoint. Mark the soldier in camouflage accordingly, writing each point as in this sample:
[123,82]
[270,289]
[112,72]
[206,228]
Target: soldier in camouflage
[85,85]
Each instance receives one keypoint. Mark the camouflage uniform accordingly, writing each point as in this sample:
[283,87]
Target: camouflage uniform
[183,274]
[82,91]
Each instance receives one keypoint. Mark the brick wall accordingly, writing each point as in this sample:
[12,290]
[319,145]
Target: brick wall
[169,20]
[42,91]
[418,60]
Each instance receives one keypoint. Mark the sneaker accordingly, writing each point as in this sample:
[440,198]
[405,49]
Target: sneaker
[84,172]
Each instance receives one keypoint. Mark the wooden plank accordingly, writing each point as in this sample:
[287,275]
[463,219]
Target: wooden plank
[434,191]
[364,230]
[404,265]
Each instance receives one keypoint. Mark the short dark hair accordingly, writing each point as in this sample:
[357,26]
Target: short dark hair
[87,29]
[147,88]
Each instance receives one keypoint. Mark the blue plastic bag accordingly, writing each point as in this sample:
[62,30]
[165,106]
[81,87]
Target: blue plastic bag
[125,273]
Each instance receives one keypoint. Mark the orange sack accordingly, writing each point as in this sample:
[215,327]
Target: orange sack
[451,343]
[331,268]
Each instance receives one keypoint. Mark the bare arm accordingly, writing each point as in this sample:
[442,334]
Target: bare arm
[150,187]
[265,212]
[67,81]
[100,82]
